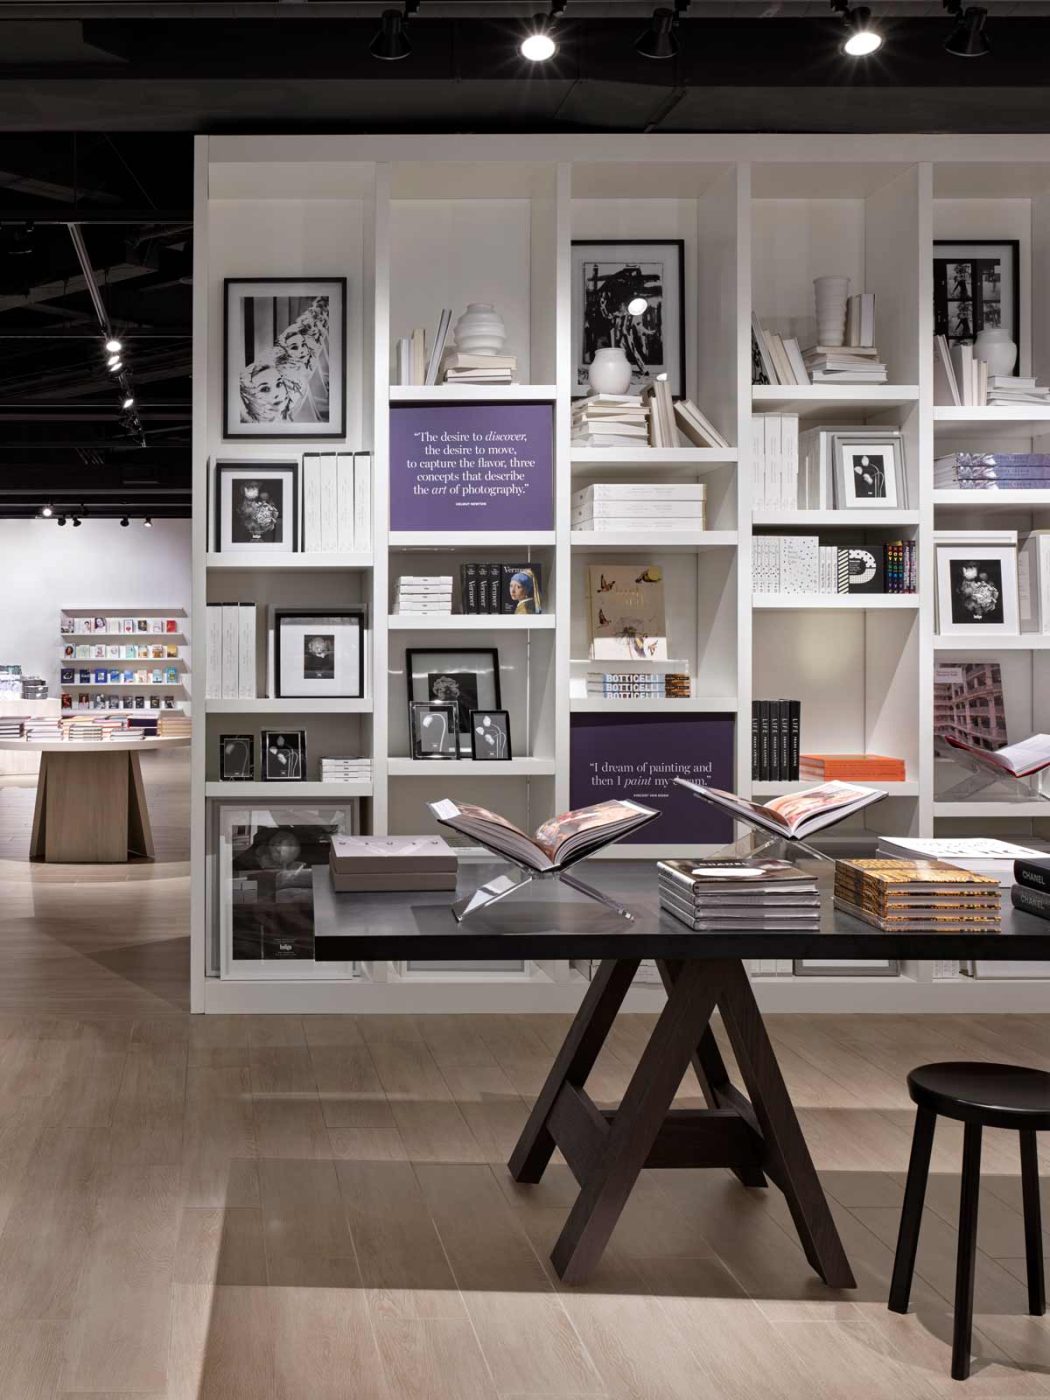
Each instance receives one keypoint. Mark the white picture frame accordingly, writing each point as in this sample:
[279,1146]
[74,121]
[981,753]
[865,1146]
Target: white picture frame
[977,590]
[868,473]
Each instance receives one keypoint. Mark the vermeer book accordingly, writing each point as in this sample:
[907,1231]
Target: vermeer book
[628,618]
[796,815]
[557,843]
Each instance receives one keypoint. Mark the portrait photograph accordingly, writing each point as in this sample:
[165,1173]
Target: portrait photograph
[284,755]
[256,507]
[467,678]
[285,358]
[318,654]
[977,590]
[975,285]
[629,294]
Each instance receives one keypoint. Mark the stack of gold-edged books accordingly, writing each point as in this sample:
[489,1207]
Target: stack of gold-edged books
[931,896]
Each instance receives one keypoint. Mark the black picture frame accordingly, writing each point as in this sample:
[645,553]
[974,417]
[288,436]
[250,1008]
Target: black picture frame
[454,659]
[337,365]
[449,742]
[941,319]
[229,770]
[677,247]
[352,614]
[481,749]
[258,469]
[296,772]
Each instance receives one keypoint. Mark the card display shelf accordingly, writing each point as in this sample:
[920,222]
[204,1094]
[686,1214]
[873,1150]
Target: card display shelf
[1026,641]
[650,541]
[468,767]
[473,393]
[433,541]
[266,705]
[79,638]
[844,519]
[124,685]
[305,563]
[816,400]
[277,793]
[848,602]
[470,622]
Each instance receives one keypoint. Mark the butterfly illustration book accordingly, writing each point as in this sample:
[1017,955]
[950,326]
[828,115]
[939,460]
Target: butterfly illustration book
[628,620]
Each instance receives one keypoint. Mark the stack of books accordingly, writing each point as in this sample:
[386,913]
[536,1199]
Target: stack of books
[346,770]
[844,364]
[11,726]
[458,367]
[427,594]
[851,767]
[42,730]
[369,863]
[713,896]
[610,420]
[174,725]
[775,461]
[775,359]
[492,587]
[1007,389]
[917,895]
[801,564]
[337,502]
[639,508]
[696,426]
[1031,888]
[992,471]
[638,685]
[93,728]
[961,380]
[983,855]
[775,729]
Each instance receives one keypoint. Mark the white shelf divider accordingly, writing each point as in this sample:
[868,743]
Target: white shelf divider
[469,622]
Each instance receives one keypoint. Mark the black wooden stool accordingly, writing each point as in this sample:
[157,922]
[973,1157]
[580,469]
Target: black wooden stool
[981,1096]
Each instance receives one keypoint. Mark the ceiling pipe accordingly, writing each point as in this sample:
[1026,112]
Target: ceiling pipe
[90,277]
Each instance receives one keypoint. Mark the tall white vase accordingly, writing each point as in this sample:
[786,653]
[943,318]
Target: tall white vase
[996,347]
[480,330]
[831,294]
[609,371]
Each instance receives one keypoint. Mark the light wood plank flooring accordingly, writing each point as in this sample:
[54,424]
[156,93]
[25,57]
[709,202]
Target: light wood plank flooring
[286,1208]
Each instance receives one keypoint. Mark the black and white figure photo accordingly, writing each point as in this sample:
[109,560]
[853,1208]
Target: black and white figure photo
[977,589]
[433,725]
[868,469]
[629,294]
[256,507]
[236,757]
[285,361]
[318,653]
[975,285]
[467,678]
[284,755]
[490,736]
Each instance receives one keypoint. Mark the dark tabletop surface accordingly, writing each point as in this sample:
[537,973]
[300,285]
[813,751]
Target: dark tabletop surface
[547,920]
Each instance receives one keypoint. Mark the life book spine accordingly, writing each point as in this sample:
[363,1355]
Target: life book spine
[795,727]
[785,740]
[755,722]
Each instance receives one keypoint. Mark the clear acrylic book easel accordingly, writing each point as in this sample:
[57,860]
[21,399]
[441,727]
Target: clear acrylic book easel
[993,783]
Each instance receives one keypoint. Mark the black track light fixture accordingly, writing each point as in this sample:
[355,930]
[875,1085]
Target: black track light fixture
[47,511]
[540,42]
[967,38]
[862,37]
[148,522]
[76,522]
[391,43]
[660,38]
[125,522]
[61,520]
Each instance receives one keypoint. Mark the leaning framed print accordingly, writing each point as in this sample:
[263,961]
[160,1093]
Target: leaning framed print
[284,755]
[629,293]
[869,471]
[490,736]
[466,676]
[236,758]
[433,730]
[977,590]
[976,285]
[284,357]
[318,653]
[255,507]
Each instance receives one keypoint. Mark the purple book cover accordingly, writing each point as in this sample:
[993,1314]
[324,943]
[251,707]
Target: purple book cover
[472,467]
[637,756]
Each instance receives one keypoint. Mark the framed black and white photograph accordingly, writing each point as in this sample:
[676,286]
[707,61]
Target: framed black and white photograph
[869,475]
[490,736]
[630,293]
[284,358]
[236,758]
[468,677]
[975,285]
[318,653]
[830,967]
[433,728]
[256,507]
[284,755]
[977,590]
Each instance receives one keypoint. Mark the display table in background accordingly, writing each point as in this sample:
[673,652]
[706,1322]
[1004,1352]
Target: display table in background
[21,764]
[90,801]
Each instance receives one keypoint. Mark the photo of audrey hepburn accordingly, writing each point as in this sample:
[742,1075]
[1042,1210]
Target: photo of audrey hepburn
[285,360]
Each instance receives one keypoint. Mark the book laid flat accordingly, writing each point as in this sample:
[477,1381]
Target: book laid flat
[851,766]
[1021,760]
[360,854]
[795,816]
[916,894]
[1033,871]
[555,844]
[723,895]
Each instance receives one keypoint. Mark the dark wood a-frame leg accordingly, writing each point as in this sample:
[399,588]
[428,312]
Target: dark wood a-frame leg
[911,1212]
[969,1194]
[1033,1226]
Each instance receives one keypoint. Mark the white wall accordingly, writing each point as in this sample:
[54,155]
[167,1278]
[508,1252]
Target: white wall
[101,565]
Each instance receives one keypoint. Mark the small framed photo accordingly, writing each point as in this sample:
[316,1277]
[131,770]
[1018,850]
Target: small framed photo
[869,474]
[432,727]
[977,590]
[629,293]
[255,506]
[466,676]
[318,653]
[237,758]
[856,967]
[284,358]
[490,735]
[284,755]
[976,285]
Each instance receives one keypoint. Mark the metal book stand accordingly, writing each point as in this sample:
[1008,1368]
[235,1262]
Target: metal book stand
[982,777]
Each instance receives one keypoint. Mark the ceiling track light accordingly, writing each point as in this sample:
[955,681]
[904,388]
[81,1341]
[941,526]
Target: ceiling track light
[391,42]
[113,346]
[660,39]
[967,38]
[47,511]
[862,37]
[61,520]
[76,522]
[541,43]
[148,522]
[125,522]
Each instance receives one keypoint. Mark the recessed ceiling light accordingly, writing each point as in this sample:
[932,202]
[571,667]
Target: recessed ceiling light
[148,523]
[637,306]
[862,37]
[48,511]
[391,43]
[539,44]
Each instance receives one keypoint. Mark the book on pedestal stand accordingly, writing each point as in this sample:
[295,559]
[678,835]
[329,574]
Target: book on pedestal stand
[1022,768]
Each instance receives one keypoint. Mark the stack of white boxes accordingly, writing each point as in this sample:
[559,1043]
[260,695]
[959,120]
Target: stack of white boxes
[337,503]
[639,508]
[231,669]
[774,461]
[426,594]
[346,770]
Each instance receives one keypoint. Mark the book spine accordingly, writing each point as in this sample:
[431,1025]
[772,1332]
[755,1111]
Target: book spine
[213,673]
[1031,901]
[774,741]
[785,740]
[795,729]
[763,760]
[311,540]
[755,772]
[495,581]
[469,587]
[362,536]
[842,576]
[344,492]
[246,652]
[1034,874]
[231,623]
[329,504]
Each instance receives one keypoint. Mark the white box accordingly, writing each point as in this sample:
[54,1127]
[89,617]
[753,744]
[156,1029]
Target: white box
[362,502]
[329,504]
[246,652]
[311,541]
[344,470]
[231,630]
[213,653]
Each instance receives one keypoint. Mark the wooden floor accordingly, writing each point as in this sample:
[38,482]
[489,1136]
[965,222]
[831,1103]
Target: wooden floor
[286,1208]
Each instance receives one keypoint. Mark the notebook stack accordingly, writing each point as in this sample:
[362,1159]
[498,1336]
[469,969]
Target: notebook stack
[844,364]
[175,725]
[639,507]
[369,863]
[714,896]
[851,767]
[917,896]
[1005,389]
[461,368]
[639,685]
[610,420]
[992,471]
[424,593]
[346,770]
[43,730]
[11,726]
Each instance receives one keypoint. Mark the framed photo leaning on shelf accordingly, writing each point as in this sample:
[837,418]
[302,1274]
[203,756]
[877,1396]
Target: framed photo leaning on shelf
[976,284]
[977,590]
[433,729]
[490,736]
[284,755]
[869,473]
[237,758]
[255,507]
[284,358]
[318,653]
[630,293]
[468,677]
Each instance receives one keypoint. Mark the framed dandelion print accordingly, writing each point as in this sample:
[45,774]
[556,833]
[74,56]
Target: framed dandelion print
[284,358]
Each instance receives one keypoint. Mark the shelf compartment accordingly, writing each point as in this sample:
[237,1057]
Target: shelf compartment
[276,793]
[469,767]
[473,393]
[305,563]
[846,519]
[814,400]
[264,705]
[992,500]
[469,622]
[849,602]
[646,542]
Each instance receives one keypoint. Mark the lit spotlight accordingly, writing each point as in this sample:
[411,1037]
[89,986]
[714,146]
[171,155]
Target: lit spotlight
[540,43]
[862,37]
[148,523]
[637,306]
[48,511]
[113,346]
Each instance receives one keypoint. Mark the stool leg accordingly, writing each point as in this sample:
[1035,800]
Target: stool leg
[968,1197]
[1033,1225]
[911,1212]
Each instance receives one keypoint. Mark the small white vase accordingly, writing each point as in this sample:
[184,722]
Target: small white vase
[480,330]
[831,294]
[997,349]
[609,371]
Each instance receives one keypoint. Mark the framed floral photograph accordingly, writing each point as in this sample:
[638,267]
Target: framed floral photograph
[490,736]
[236,758]
[869,473]
[284,755]
[977,590]
[318,653]
[467,677]
[432,727]
[255,506]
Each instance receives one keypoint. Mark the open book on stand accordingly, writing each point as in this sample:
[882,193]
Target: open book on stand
[797,814]
[1021,760]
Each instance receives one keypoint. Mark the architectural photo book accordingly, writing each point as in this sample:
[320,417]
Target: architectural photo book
[556,844]
[795,816]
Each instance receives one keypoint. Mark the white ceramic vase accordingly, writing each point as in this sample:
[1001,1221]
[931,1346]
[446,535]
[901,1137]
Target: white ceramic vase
[609,371]
[480,330]
[831,294]
[997,349]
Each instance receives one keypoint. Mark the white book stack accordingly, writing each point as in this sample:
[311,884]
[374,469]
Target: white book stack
[794,564]
[426,594]
[230,672]
[774,461]
[610,420]
[346,770]
[459,367]
[844,364]
[639,508]
[337,503]
[1006,389]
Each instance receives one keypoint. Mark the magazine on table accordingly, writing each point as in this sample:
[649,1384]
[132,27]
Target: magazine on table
[556,843]
[1031,755]
[796,815]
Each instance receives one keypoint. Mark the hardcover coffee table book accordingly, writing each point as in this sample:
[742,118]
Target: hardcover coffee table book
[722,895]
[392,863]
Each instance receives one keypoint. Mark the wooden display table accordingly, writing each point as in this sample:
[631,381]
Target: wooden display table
[26,763]
[90,802]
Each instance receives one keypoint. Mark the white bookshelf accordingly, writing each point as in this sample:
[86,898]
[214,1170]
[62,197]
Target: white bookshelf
[420,222]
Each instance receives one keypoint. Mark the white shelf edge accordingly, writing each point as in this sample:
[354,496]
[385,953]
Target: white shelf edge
[990,500]
[263,705]
[468,767]
[605,705]
[1029,807]
[856,602]
[652,456]
[469,622]
[473,393]
[908,788]
[282,792]
[1027,641]
[851,519]
[976,414]
[306,563]
[642,541]
[124,685]
[436,540]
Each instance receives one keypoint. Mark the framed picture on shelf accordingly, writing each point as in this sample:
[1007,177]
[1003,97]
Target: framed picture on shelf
[869,474]
[467,677]
[318,653]
[255,506]
[629,293]
[433,729]
[490,736]
[976,285]
[236,758]
[977,590]
[284,755]
[284,358]
[856,967]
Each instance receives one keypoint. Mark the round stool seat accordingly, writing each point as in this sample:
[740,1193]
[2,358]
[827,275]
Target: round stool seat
[996,1096]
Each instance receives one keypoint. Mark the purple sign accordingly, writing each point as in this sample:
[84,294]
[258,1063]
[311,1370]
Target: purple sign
[472,467]
[637,756]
